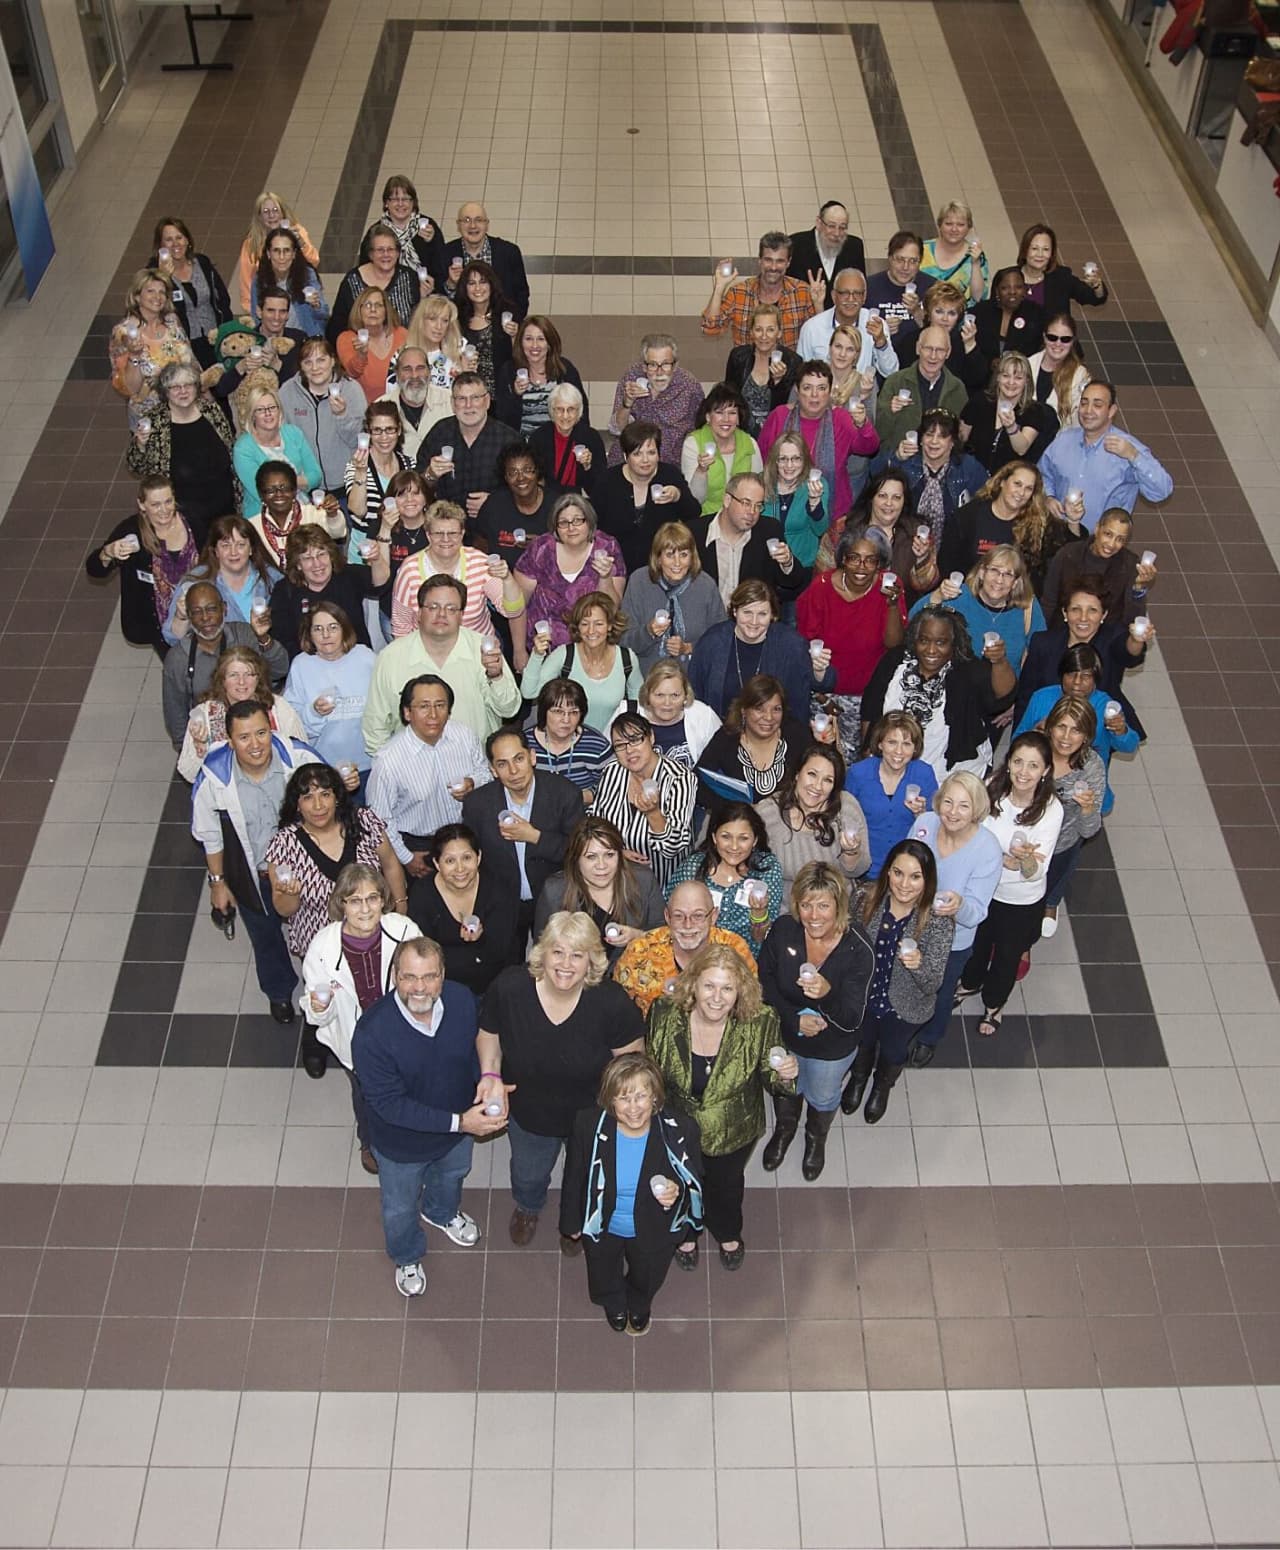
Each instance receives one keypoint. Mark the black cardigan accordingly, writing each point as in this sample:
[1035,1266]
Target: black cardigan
[180,293]
[473,964]
[969,702]
[508,265]
[849,967]
[757,563]
[138,622]
[991,448]
[720,756]
[506,401]
[1044,654]
[430,255]
[652,1221]
[543,442]
[738,368]
[634,526]
[1061,288]
[1118,575]
[1026,339]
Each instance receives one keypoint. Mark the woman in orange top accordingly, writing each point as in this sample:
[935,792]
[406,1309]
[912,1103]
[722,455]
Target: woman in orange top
[367,347]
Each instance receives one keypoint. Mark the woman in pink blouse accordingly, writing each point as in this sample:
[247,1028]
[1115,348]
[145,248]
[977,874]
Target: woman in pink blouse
[562,565]
[833,435]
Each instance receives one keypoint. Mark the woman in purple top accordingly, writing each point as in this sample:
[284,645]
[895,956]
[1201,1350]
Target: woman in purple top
[562,565]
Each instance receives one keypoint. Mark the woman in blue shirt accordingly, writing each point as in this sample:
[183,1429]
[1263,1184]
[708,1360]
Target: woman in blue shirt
[632,1190]
[1080,672]
[893,784]
[995,596]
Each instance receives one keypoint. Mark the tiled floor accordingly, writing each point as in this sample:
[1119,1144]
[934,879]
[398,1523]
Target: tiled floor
[1038,1304]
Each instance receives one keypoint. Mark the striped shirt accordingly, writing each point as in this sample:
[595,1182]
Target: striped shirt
[677,787]
[410,780]
[472,569]
[580,763]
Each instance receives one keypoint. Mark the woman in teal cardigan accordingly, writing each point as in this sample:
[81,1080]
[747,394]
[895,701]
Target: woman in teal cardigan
[718,447]
[718,1048]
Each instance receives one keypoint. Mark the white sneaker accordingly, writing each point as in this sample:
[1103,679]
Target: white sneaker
[462,1230]
[1049,926]
[411,1280]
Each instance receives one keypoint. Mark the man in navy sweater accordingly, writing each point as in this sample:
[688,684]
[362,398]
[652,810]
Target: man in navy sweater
[415,1059]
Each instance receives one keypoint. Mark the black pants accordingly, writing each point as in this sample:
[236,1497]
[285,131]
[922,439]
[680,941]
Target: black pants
[886,1035]
[1008,931]
[358,1107]
[624,1275]
[723,1184]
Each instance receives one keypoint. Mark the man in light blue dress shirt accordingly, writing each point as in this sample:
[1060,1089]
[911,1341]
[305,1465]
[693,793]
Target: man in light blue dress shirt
[1100,464]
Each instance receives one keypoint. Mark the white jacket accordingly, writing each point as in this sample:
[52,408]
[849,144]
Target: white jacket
[700,725]
[326,964]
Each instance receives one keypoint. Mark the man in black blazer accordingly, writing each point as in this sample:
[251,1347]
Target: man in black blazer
[543,809]
[505,258]
[827,249]
[741,515]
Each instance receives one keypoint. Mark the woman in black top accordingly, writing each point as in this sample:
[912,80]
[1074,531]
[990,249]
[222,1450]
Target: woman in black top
[623,900]
[548,1029]
[465,911]
[315,572]
[380,265]
[521,509]
[198,293]
[485,317]
[153,549]
[537,367]
[188,441]
[764,371]
[1009,509]
[815,971]
[1006,421]
[420,239]
[1008,319]
[759,747]
[1049,282]
[628,502]
[571,451]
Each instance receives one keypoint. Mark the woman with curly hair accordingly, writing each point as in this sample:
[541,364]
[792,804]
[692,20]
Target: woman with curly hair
[146,340]
[811,817]
[954,696]
[1009,509]
[593,657]
[886,504]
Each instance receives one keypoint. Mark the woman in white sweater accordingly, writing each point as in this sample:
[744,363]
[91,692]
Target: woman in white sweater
[1025,818]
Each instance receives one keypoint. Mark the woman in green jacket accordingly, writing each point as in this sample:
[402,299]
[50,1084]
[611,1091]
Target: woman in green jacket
[718,1049]
[718,447]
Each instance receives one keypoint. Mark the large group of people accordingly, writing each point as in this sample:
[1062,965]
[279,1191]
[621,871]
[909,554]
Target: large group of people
[710,758]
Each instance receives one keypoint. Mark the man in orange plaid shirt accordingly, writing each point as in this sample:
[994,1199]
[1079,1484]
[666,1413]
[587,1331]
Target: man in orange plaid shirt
[734,299]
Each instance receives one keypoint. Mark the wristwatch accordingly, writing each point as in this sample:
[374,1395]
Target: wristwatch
[215,877]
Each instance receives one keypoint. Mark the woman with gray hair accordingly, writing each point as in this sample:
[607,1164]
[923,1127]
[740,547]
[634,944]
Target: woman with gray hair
[548,1028]
[187,439]
[346,969]
[566,445]
[657,390]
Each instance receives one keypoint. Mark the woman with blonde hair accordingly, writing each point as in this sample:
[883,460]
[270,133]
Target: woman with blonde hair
[265,438]
[796,492]
[142,344]
[548,1028]
[241,674]
[1011,508]
[955,254]
[1005,420]
[670,603]
[719,1049]
[764,369]
[682,725]
[270,212]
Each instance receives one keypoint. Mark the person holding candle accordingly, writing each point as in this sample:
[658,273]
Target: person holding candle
[316,572]
[1127,578]
[893,785]
[1050,283]
[811,817]
[188,442]
[621,897]
[1092,467]
[719,1049]
[660,392]
[670,603]
[420,239]
[143,343]
[995,596]
[380,267]
[1058,371]
[1085,622]
[1006,421]
[560,740]
[235,562]
[753,641]
[641,494]
[1079,674]
[718,447]
[567,445]
[491,585]
[378,458]
[816,969]
[912,945]
[593,657]
[241,674]
[832,434]
[548,1028]
[327,408]
[285,267]
[1026,819]
[1008,319]
[1080,784]
[741,872]
[1010,508]
[198,294]
[568,562]
[651,964]
[520,509]
[374,336]
[461,905]
[632,1188]
[885,504]
[859,608]
[955,254]
[538,365]
[153,548]
[487,321]
[332,659]
[796,496]
[648,797]
[758,747]
[682,725]
[270,213]
[763,369]
[940,476]
[267,439]
[347,969]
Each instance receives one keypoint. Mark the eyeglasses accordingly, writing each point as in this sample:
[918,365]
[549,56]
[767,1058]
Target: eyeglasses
[278,489]
[578,521]
[691,918]
[999,570]
[623,741]
[660,365]
[1061,338]
[384,430]
[442,608]
[754,506]
[470,400]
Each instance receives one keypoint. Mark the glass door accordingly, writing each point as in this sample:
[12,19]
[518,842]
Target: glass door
[102,45]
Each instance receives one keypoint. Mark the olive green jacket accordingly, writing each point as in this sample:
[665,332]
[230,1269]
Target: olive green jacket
[730,1112]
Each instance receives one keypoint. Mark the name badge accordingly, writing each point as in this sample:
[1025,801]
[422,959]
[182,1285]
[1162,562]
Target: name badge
[741,896]
[145,575]
[177,293]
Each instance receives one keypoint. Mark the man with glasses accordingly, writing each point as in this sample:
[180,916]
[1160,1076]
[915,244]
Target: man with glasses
[740,544]
[849,296]
[188,668]
[733,299]
[909,394]
[473,440]
[650,963]
[657,390]
[485,693]
[503,257]
[828,247]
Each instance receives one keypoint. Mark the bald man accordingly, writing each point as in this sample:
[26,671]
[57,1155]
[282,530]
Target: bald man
[505,258]
[652,961]
[908,394]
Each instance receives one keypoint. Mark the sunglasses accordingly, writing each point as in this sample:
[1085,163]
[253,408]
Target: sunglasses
[1061,338]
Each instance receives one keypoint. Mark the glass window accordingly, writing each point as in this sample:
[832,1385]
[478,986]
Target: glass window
[20,50]
[48,160]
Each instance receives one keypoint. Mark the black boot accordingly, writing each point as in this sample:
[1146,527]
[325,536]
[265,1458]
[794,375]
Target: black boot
[315,1057]
[863,1064]
[786,1120]
[816,1125]
[885,1078]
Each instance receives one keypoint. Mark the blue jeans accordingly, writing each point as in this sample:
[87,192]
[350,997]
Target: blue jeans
[432,1188]
[932,1032]
[533,1159]
[276,974]
[821,1082]
[1060,869]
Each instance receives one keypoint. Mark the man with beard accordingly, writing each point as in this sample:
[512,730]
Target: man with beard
[652,961]
[409,395]
[189,666]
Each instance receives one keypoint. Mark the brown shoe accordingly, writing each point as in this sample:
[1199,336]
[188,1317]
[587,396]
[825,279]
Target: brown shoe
[570,1247]
[367,1160]
[522,1227]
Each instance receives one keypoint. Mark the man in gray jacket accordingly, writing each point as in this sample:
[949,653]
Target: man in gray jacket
[189,665]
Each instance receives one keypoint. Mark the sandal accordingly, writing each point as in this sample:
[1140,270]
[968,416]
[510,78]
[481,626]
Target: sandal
[990,1024]
[961,994]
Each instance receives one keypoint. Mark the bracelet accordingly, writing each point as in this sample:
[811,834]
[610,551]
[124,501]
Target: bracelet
[215,877]
[496,1075]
